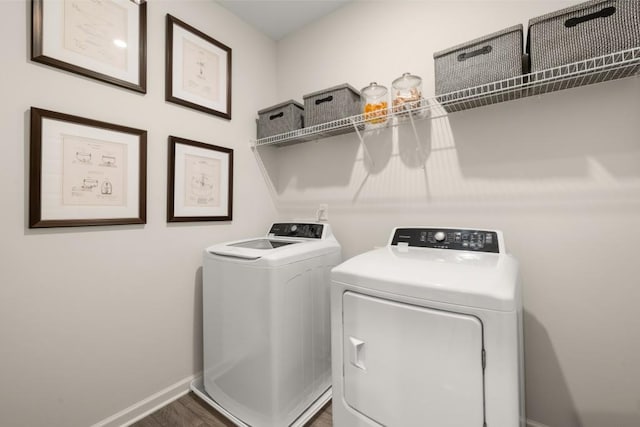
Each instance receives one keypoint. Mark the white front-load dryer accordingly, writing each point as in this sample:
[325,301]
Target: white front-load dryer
[427,331]
[266,325]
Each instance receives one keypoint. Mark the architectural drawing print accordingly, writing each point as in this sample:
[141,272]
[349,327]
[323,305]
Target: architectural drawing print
[108,161]
[200,72]
[88,184]
[97,30]
[83,182]
[202,184]
[106,188]
[83,157]
[202,181]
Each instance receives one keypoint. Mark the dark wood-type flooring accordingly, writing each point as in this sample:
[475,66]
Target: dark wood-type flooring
[191,411]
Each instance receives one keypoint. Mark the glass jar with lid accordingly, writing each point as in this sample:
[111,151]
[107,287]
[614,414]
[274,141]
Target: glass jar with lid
[407,93]
[374,103]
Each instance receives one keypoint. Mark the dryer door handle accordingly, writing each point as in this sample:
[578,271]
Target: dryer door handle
[357,353]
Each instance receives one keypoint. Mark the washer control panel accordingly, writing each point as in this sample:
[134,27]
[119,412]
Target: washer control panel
[447,238]
[310,231]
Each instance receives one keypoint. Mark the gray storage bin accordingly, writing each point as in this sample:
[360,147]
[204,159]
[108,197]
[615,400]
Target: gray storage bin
[583,31]
[487,59]
[284,117]
[331,104]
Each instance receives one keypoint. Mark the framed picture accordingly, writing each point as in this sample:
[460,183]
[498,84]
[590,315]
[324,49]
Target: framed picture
[85,172]
[105,40]
[200,181]
[198,70]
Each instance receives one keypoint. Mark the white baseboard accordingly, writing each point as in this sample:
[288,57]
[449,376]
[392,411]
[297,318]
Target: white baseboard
[146,406]
[531,423]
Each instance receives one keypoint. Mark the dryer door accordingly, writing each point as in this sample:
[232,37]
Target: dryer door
[406,365]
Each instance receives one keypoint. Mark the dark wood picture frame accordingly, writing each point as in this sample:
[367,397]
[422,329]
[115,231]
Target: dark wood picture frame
[203,213]
[173,59]
[36,173]
[39,55]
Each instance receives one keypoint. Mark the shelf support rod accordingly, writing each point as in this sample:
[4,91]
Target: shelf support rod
[364,146]
[415,133]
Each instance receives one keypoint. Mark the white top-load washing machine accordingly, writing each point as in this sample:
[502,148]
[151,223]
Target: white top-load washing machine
[267,329]
[427,331]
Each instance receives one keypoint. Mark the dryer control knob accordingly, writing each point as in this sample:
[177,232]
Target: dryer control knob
[294,227]
[440,236]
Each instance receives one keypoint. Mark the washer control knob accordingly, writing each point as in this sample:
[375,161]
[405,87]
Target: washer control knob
[294,227]
[440,236]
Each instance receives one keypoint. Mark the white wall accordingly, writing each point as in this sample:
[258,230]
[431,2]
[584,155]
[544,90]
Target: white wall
[558,174]
[96,319]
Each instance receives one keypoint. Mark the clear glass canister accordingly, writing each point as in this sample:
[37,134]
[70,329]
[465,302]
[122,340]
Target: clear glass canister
[374,103]
[407,92]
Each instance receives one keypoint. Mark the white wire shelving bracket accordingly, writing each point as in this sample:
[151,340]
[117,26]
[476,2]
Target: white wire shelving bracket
[595,70]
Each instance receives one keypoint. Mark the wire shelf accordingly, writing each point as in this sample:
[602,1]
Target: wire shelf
[595,70]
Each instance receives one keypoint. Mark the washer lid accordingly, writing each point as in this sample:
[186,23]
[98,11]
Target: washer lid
[473,279]
[270,252]
[285,243]
[263,243]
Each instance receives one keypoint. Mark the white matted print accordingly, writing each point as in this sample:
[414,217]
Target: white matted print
[200,181]
[104,40]
[198,71]
[85,172]
[199,77]
[94,171]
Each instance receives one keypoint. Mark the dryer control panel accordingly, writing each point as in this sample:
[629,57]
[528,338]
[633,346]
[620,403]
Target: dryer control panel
[447,238]
[310,231]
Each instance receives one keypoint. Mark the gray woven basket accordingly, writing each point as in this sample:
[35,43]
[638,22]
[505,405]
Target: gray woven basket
[280,118]
[583,31]
[331,104]
[491,58]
